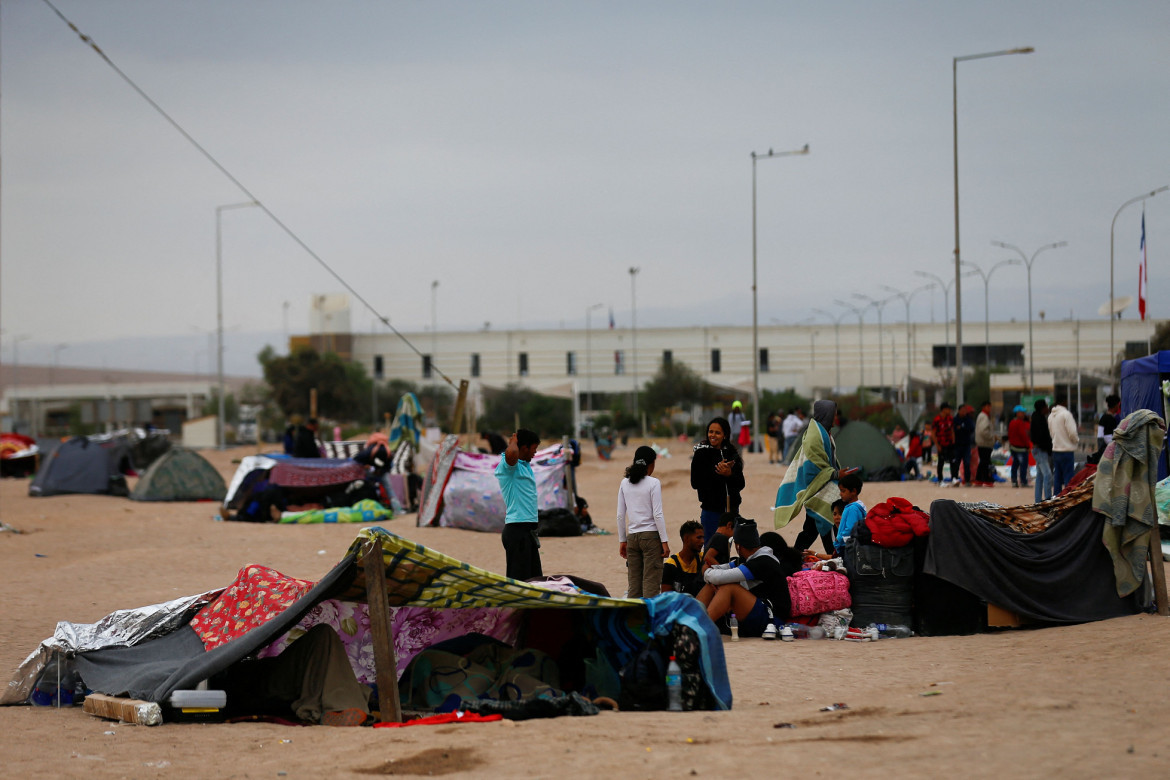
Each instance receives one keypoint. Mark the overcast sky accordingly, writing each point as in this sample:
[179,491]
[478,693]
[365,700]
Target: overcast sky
[527,154]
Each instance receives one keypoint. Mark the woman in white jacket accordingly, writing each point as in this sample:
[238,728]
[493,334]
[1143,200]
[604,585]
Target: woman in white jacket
[642,538]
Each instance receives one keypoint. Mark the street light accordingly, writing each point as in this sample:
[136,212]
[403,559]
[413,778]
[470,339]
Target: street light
[56,357]
[589,355]
[879,305]
[958,259]
[836,320]
[986,312]
[755,294]
[1138,199]
[15,405]
[860,341]
[1028,263]
[434,327]
[906,297]
[219,422]
[946,289]
[634,323]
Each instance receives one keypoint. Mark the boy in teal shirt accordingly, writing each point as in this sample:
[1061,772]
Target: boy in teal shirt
[518,485]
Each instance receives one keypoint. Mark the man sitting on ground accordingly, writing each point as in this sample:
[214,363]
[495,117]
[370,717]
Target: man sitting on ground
[717,549]
[753,586]
[680,572]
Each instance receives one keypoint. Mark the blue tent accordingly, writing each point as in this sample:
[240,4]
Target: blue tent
[1141,388]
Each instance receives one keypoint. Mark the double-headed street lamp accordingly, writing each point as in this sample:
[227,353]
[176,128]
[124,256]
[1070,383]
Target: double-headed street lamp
[946,290]
[589,355]
[1028,263]
[906,297]
[755,294]
[879,305]
[1131,201]
[836,320]
[860,342]
[219,423]
[986,310]
[634,321]
[958,260]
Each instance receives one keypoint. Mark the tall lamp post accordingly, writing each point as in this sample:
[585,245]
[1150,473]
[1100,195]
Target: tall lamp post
[860,342]
[634,322]
[56,358]
[219,210]
[434,328]
[879,305]
[755,294]
[1112,225]
[836,320]
[986,307]
[1028,263]
[589,355]
[958,259]
[906,297]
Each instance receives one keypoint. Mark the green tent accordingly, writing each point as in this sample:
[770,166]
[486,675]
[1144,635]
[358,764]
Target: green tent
[861,444]
[180,475]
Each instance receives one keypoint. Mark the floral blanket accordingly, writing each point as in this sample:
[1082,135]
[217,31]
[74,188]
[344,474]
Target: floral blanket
[257,595]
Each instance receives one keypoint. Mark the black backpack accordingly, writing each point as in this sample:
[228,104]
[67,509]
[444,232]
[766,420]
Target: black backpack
[644,679]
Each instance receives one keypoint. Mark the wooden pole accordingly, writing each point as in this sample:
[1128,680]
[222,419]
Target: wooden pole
[570,473]
[313,402]
[460,400]
[1158,571]
[382,633]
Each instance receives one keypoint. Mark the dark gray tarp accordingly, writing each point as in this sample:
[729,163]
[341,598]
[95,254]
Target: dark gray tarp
[1060,575]
[83,465]
[153,670]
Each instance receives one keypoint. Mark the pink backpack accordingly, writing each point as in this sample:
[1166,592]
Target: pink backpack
[813,592]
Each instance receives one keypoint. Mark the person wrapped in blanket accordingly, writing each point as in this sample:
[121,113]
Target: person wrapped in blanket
[811,480]
[753,586]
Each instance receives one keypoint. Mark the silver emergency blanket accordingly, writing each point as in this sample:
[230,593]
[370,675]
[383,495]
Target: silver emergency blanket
[122,628]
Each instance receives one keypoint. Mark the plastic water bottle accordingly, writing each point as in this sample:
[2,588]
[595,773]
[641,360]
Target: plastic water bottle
[674,686]
[889,631]
[733,624]
[801,631]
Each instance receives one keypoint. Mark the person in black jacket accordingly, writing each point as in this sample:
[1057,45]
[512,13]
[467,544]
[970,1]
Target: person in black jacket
[716,475]
[1042,451]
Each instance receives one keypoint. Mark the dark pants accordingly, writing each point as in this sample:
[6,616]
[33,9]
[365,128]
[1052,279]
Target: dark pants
[809,533]
[1063,464]
[710,522]
[522,550]
[1020,468]
[983,473]
[946,457]
[961,455]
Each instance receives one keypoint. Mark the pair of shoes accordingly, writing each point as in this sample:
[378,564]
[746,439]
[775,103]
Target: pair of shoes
[348,717]
[769,631]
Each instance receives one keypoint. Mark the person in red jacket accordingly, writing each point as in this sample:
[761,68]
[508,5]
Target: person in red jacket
[944,437]
[1019,442]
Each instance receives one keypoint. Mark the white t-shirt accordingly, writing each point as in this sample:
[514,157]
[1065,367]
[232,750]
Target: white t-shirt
[792,425]
[639,508]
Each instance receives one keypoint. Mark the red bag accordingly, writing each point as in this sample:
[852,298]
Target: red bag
[813,592]
[895,522]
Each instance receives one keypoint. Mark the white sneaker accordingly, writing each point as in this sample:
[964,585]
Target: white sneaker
[769,631]
[786,634]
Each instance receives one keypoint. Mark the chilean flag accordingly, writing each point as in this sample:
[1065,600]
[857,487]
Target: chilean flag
[1143,278]
[1143,305]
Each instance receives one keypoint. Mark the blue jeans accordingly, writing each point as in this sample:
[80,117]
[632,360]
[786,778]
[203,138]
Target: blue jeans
[789,446]
[1020,468]
[1043,475]
[710,521]
[1063,464]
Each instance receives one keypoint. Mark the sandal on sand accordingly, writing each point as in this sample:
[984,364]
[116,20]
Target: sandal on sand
[348,717]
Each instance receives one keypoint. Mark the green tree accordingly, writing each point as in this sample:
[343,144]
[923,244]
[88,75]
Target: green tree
[550,417]
[675,385]
[343,389]
[782,401]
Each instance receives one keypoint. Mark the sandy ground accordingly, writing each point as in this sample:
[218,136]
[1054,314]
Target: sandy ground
[1077,701]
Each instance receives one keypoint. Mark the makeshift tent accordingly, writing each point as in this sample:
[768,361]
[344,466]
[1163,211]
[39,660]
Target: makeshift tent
[302,481]
[1141,388]
[861,444]
[84,465]
[18,455]
[180,475]
[388,598]
[461,491]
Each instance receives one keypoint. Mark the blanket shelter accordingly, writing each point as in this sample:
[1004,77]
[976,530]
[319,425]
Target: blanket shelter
[389,599]
[861,444]
[300,481]
[180,474]
[1141,388]
[18,455]
[84,465]
[460,489]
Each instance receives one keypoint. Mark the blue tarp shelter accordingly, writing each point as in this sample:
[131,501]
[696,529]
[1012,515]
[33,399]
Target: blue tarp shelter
[1141,388]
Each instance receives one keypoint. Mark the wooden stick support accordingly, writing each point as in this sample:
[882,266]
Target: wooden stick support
[382,633]
[460,401]
[1158,572]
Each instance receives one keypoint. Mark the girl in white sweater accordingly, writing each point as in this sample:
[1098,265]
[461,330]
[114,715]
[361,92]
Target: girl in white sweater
[642,537]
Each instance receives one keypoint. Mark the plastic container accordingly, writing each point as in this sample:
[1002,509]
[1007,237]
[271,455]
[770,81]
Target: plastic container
[802,631]
[674,686]
[889,631]
[198,700]
[733,624]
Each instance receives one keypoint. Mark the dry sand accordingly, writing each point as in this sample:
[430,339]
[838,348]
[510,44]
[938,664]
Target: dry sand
[1076,701]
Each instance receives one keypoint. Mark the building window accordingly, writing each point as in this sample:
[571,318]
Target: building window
[475,364]
[1010,355]
[1136,349]
[523,364]
[716,362]
[571,363]
[667,358]
[378,367]
[619,361]
[764,359]
[426,367]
